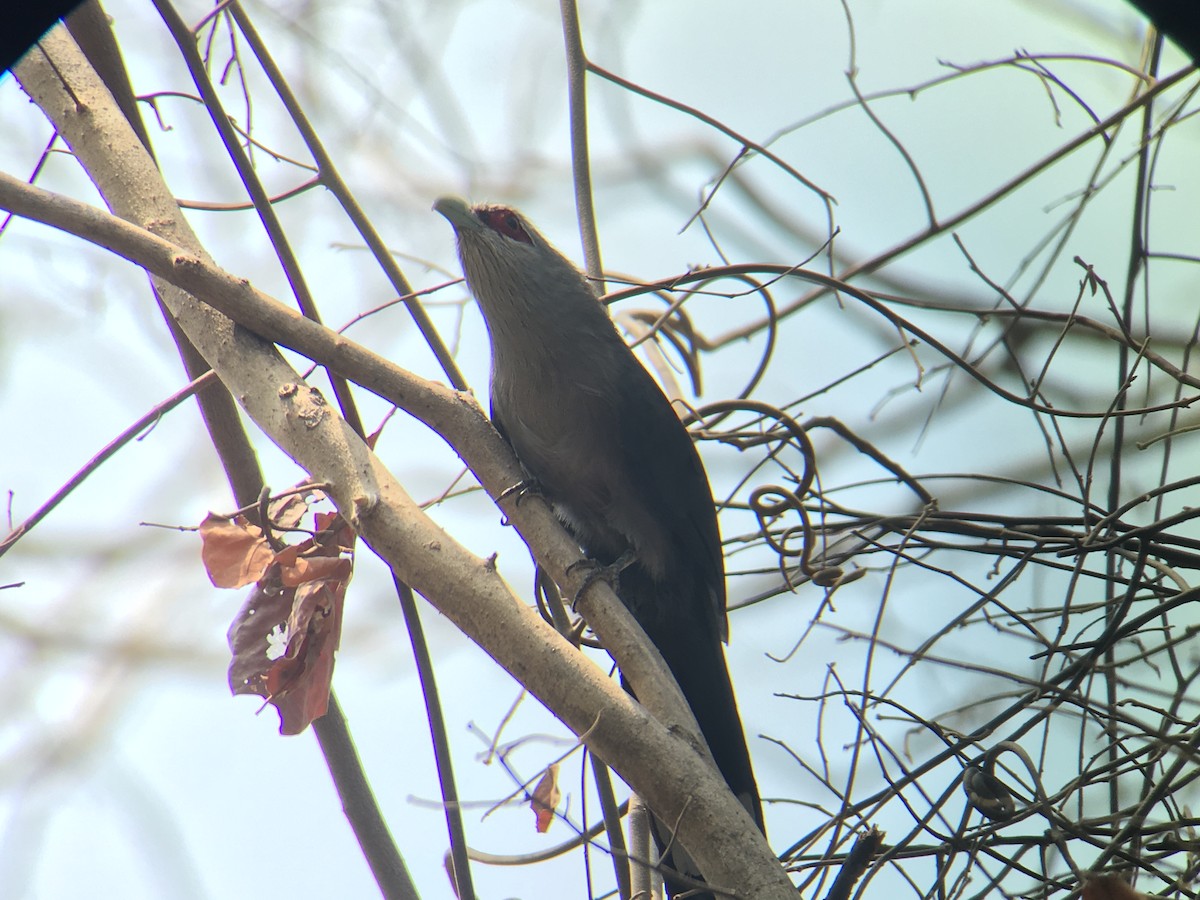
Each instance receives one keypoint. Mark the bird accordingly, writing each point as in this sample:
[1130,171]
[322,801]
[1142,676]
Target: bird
[601,441]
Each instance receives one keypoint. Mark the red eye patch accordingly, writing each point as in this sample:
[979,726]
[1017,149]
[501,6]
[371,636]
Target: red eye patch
[503,220]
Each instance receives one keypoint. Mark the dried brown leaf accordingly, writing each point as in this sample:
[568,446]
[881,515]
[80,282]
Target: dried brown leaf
[545,799]
[233,551]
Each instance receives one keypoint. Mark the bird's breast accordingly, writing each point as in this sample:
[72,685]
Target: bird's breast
[568,441]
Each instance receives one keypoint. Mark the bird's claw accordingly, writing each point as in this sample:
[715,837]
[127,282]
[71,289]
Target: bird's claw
[522,489]
[527,487]
[599,572]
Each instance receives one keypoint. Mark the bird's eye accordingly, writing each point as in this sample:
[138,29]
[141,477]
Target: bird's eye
[505,221]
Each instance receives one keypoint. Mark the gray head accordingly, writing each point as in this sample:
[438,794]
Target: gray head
[514,272]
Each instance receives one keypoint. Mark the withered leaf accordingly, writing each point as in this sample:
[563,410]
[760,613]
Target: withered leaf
[285,636]
[545,799]
[233,551]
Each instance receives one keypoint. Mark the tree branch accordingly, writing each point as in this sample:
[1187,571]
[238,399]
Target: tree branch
[652,754]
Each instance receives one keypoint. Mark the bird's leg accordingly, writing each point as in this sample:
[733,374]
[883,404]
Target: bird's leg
[599,572]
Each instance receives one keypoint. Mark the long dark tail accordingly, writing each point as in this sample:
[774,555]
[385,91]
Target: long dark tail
[692,650]
[697,660]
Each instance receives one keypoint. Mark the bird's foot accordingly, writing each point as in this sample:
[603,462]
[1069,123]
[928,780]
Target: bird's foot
[988,794]
[599,572]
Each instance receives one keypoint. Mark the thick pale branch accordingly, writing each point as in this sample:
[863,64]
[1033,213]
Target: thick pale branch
[452,414]
[655,759]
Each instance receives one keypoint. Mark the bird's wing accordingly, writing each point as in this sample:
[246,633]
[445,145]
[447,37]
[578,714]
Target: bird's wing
[668,474]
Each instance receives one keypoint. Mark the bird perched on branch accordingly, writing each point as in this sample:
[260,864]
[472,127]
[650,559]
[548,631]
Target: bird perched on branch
[603,443]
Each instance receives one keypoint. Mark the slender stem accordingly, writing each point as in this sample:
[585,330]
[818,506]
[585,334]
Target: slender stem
[612,824]
[358,802]
[1137,262]
[581,167]
[441,741]
[645,882]
[157,412]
